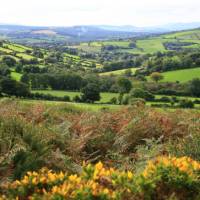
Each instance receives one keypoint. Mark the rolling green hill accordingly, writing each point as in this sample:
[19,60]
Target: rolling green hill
[181,75]
[118,72]
[187,39]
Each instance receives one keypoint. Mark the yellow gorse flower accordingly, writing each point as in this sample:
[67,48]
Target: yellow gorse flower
[97,180]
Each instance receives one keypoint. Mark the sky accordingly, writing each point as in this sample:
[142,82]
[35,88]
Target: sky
[98,12]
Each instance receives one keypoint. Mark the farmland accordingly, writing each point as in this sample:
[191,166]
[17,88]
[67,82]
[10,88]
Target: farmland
[184,75]
[105,97]
[149,45]
[118,72]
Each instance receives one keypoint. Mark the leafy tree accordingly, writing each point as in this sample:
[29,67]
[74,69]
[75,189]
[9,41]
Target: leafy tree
[140,93]
[185,103]
[194,87]
[128,73]
[76,99]
[124,84]
[12,87]
[25,78]
[120,98]
[8,60]
[156,76]
[19,68]
[132,45]
[91,93]
[113,100]
[4,70]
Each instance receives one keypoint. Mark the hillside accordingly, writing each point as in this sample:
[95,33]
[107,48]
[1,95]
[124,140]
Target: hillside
[166,42]
[112,67]
[52,35]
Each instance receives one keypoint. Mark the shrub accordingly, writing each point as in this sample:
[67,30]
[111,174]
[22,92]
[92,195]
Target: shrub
[113,100]
[76,99]
[184,103]
[140,93]
[163,178]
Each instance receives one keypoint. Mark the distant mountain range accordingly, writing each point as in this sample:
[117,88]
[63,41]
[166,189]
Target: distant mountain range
[22,33]
[154,29]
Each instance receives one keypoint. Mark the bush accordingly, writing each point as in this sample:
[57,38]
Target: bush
[140,93]
[66,98]
[13,88]
[113,100]
[163,178]
[184,103]
[77,99]
[165,99]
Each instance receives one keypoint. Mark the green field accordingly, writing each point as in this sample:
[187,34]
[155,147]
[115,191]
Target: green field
[17,59]
[184,75]
[149,45]
[105,97]
[178,97]
[83,106]
[5,50]
[117,72]
[16,76]
[17,48]
[25,56]
[185,35]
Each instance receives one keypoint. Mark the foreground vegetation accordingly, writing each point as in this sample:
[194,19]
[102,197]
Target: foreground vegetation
[174,178]
[140,143]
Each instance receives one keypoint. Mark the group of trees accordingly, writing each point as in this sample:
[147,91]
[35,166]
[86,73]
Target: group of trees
[169,61]
[13,88]
[74,81]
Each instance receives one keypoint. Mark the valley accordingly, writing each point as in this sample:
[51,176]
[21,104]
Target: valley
[102,112]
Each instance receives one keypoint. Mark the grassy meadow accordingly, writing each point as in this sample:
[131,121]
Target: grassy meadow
[118,72]
[182,76]
[105,96]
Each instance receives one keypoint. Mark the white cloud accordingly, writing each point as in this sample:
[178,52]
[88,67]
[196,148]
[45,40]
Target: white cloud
[116,12]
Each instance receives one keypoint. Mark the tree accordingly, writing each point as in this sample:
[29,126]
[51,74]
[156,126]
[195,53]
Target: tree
[156,76]
[132,45]
[140,93]
[12,87]
[8,60]
[185,103]
[91,93]
[128,73]
[4,70]
[113,100]
[19,68]
[25,78]
[124,84]
[194,87]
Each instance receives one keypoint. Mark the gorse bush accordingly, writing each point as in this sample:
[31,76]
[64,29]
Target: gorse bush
[163,178]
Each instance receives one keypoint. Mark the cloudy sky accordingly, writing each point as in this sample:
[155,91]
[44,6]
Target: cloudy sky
[92,12]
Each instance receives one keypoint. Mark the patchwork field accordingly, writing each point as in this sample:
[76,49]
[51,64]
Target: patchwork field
[16,76]
[118,72]
[181,75]
[105,97]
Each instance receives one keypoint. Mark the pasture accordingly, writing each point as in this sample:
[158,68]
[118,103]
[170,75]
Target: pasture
[16,76]
[182,76]
[80,106]
[105,97]
[118,72]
